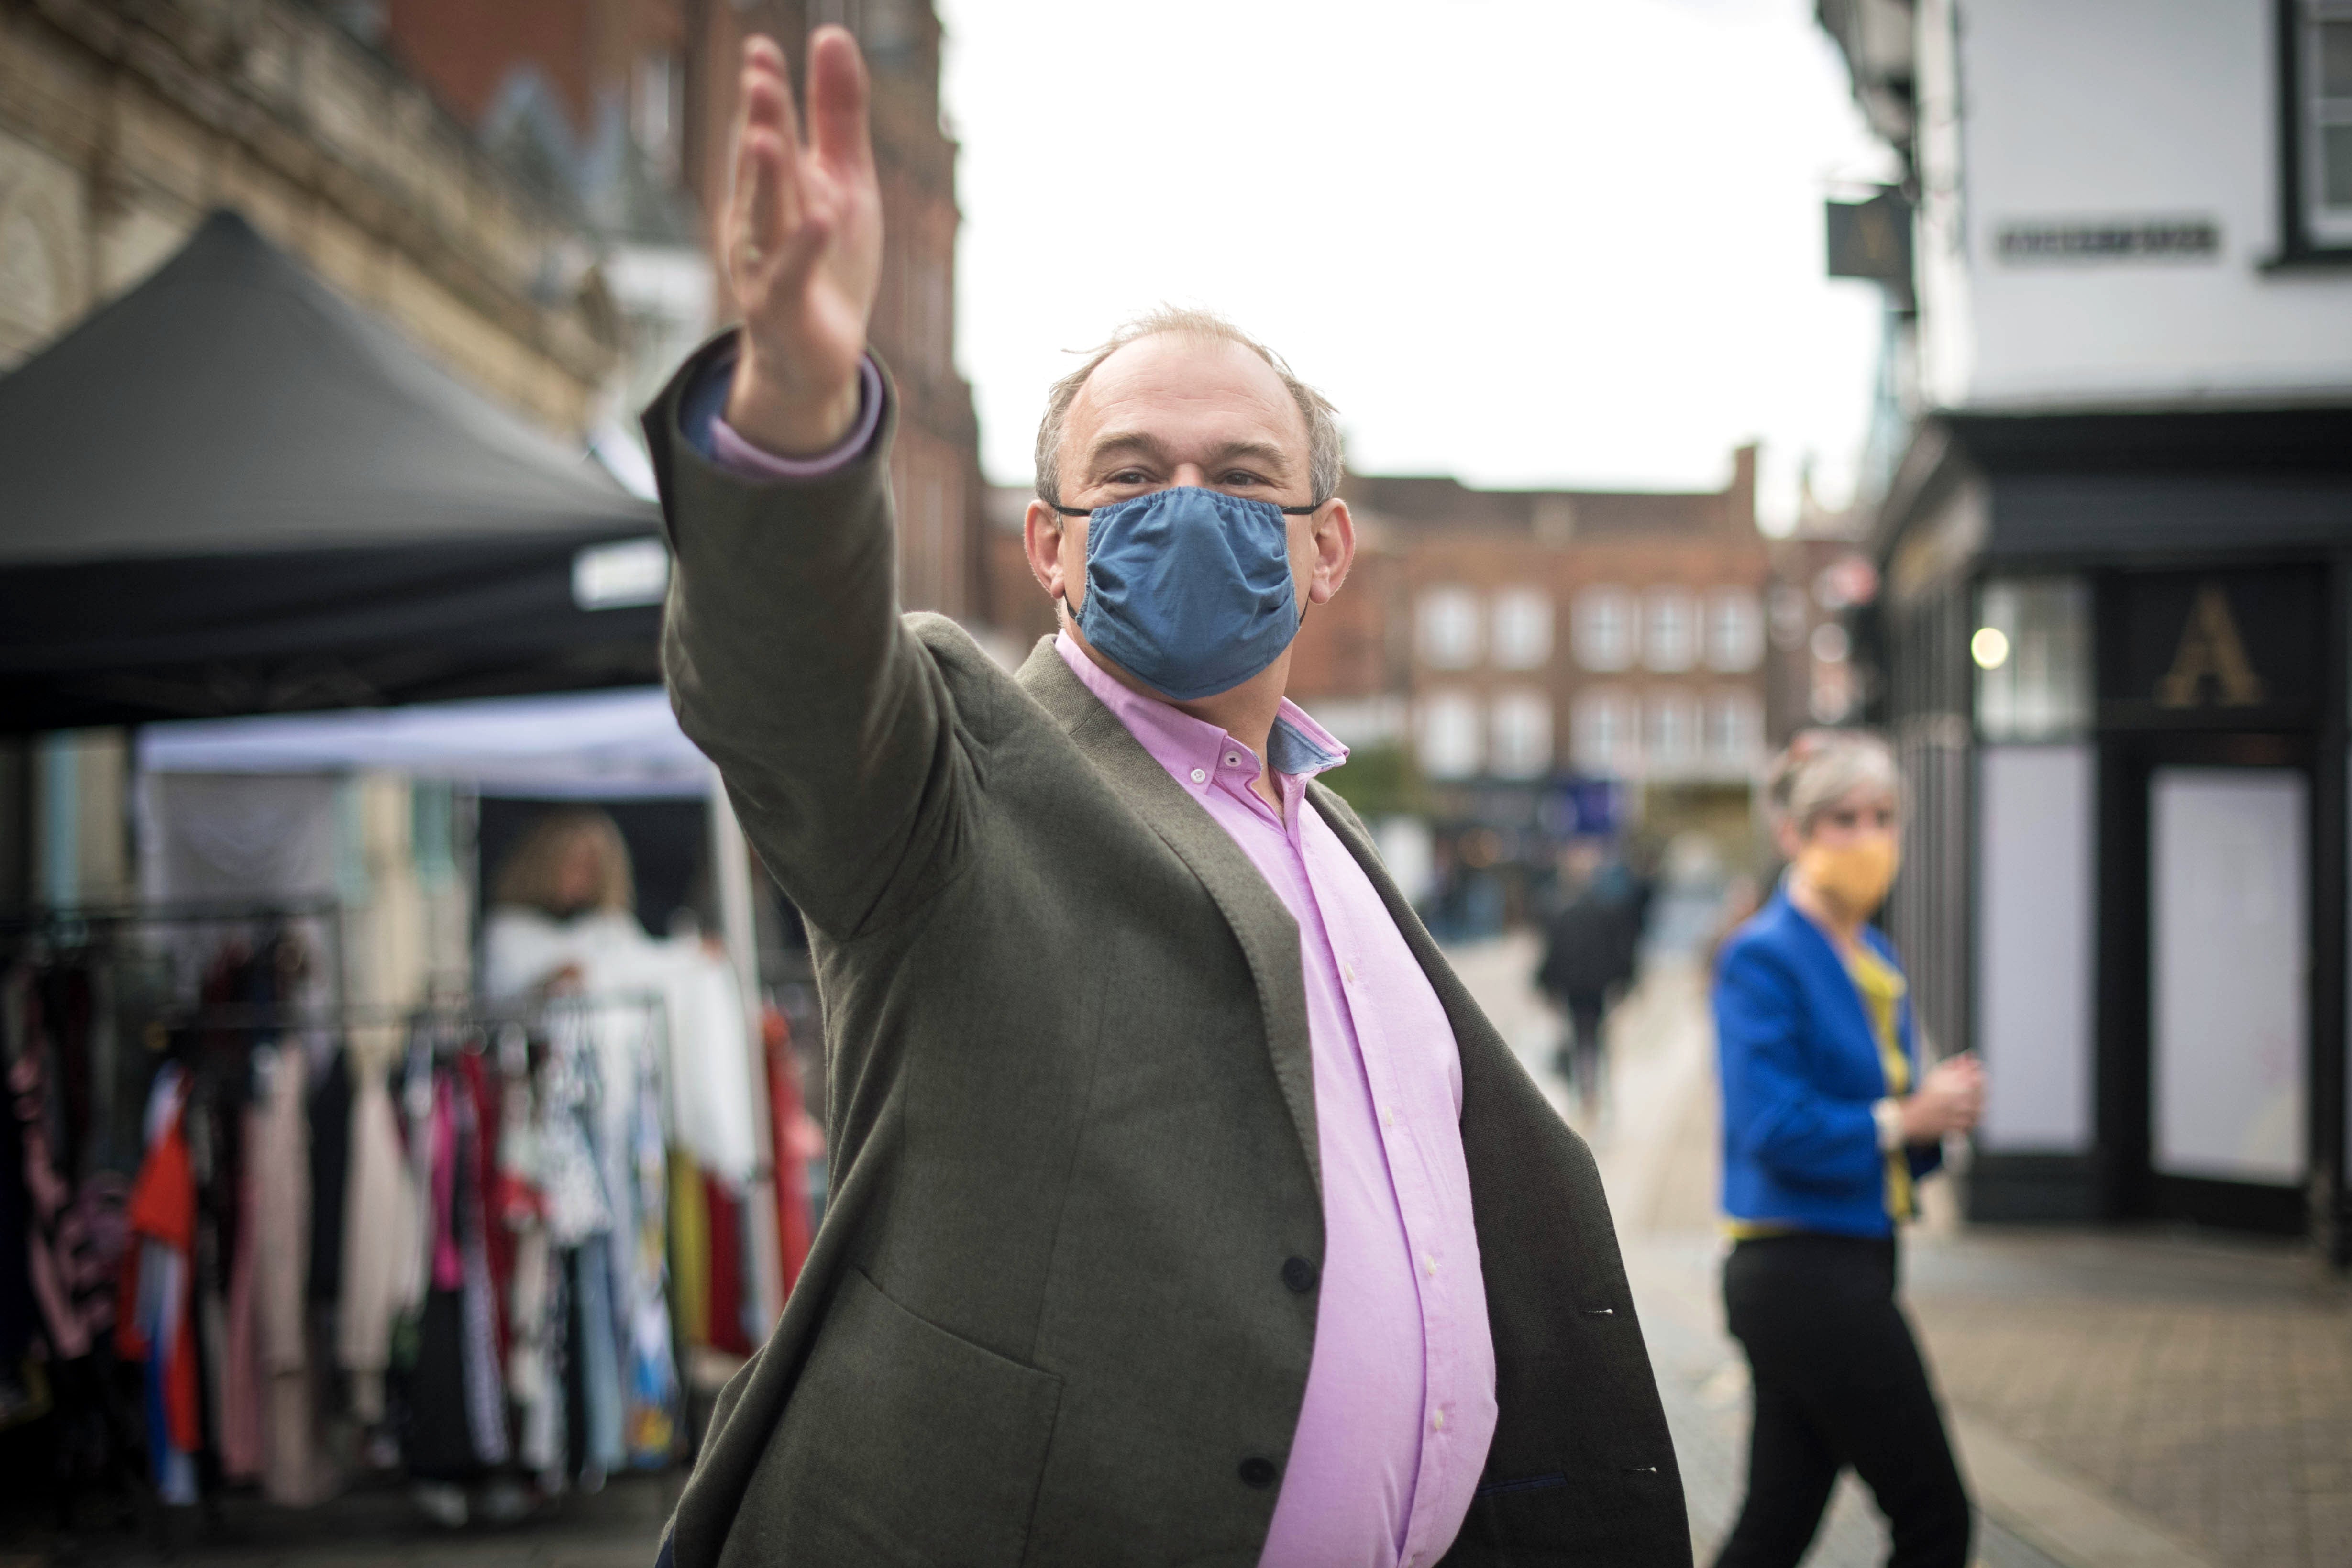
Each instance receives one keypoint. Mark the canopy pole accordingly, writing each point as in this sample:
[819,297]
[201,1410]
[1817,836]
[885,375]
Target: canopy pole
[730,856]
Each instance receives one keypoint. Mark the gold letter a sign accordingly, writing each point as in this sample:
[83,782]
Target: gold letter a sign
[2209,646]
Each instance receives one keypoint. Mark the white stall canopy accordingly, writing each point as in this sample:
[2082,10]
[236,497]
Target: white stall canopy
[622,744]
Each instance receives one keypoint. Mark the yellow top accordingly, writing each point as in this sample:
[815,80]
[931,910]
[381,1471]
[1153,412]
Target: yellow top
[1882,986]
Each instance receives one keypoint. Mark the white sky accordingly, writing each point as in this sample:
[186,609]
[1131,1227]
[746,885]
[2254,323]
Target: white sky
[1526,242]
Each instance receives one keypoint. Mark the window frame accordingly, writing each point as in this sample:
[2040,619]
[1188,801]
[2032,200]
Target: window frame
[2307,237]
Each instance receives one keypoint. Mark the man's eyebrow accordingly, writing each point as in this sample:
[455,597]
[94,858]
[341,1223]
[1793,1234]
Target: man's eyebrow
[1143,444]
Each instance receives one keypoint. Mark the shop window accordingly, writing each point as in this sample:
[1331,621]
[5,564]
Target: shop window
[1735,630]
[1522,628]
[1604,629]
[2032,649]
[1672,642]
[1603,732]
[1450,745]
[1449,627]
[1520,734]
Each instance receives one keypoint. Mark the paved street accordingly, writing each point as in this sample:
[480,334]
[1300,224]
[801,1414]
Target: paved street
[2145,1398]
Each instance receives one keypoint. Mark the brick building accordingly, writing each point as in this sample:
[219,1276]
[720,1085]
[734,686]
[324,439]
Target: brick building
[1537,634]
[623,108]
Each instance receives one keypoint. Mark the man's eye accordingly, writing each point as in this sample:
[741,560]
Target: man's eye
[1240,478]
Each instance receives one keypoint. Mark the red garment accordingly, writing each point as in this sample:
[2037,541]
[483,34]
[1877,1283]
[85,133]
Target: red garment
[793,1132]
[164,1209]
[724,1328]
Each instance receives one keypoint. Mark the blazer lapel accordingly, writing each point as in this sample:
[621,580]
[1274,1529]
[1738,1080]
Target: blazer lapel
[1267,934]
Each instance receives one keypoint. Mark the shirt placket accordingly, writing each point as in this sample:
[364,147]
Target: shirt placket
[1409,1177]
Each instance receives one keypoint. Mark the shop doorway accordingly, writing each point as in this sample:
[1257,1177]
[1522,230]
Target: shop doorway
[2225,988]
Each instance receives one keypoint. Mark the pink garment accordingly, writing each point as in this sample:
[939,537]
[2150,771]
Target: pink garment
[239,1376]
[1400,1403]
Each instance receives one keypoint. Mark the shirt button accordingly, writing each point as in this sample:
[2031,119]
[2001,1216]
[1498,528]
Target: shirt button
[1233,759]
[1388,1119]
[1429,1264]
[1257,1472]
[1298,1274]
[1437,1422]
[1350,971]
[1200,776]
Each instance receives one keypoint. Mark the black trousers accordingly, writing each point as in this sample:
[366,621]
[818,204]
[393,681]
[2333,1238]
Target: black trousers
[1838,1382]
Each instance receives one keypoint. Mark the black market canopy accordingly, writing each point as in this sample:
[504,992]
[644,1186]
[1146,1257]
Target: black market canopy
[231,492]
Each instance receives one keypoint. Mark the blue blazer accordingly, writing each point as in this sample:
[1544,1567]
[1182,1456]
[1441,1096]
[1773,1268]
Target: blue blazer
[1801,1070]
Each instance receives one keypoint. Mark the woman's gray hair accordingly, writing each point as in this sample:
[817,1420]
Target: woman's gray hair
[1326,456]
[1822,767]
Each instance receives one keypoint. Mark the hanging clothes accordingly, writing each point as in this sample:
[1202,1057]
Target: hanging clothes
[278,1173]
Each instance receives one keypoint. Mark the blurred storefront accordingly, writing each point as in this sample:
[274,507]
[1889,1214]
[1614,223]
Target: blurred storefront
[2111,642]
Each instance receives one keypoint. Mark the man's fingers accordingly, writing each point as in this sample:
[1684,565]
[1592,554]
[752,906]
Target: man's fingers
[839,127]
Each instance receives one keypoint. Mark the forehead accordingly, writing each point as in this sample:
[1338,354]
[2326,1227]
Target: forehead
[1190,393]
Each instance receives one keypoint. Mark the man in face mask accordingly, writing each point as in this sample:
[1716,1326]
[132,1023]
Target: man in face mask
[1184,1207]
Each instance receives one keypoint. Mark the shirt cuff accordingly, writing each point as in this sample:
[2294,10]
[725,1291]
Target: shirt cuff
[707,429]
[1888,1114]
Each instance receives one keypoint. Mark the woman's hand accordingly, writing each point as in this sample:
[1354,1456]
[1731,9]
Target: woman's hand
[802,240]
[1948,1099]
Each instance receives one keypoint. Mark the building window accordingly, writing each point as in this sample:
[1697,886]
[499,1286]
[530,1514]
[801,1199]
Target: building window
[1522,631]
[1672,642]
[1520,734]
[1735,630]
[1603,732]
[2032,649]
[1604,629]
[1674,730]
[2322,65]
[1449,627]
[1735,728]
[1449,735]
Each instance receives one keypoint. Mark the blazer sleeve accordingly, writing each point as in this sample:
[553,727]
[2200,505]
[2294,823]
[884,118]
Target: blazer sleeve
[1771,1109]
[789,665]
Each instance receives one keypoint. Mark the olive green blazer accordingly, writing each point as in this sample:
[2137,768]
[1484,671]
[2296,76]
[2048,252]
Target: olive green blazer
[1072,1115]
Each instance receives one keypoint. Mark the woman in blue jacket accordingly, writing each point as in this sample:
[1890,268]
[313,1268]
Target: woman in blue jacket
[1827,1126]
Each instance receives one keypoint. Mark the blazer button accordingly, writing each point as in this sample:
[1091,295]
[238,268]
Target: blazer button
[1298,1274]
[1257,1472]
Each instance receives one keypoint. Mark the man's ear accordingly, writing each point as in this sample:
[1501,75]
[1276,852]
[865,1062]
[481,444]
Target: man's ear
[1040,541]
[1334,533]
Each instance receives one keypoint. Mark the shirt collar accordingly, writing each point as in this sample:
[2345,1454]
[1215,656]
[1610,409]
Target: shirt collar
[1184,745]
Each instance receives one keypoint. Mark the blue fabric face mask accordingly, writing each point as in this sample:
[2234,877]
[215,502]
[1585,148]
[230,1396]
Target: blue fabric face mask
[1189,589]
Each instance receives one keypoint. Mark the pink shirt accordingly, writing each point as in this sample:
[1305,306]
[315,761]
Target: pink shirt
[1400,1393]
[1400,1401]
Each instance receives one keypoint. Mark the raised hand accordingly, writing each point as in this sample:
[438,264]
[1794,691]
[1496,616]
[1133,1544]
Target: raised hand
[803,245]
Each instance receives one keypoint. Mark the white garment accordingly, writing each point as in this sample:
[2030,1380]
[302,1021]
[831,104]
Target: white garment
[384,1273]
[707,1061]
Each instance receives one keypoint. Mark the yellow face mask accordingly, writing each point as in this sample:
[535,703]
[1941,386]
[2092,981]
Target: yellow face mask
[1852,878]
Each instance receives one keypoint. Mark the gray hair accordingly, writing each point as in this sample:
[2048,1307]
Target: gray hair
[1325,459]
[1822,767]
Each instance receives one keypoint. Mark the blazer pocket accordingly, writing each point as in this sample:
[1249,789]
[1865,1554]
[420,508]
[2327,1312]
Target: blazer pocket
[903,1443]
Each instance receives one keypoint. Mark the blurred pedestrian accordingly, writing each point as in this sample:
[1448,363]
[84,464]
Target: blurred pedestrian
[1589,947]
[1827,1128]
[1163,1148]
